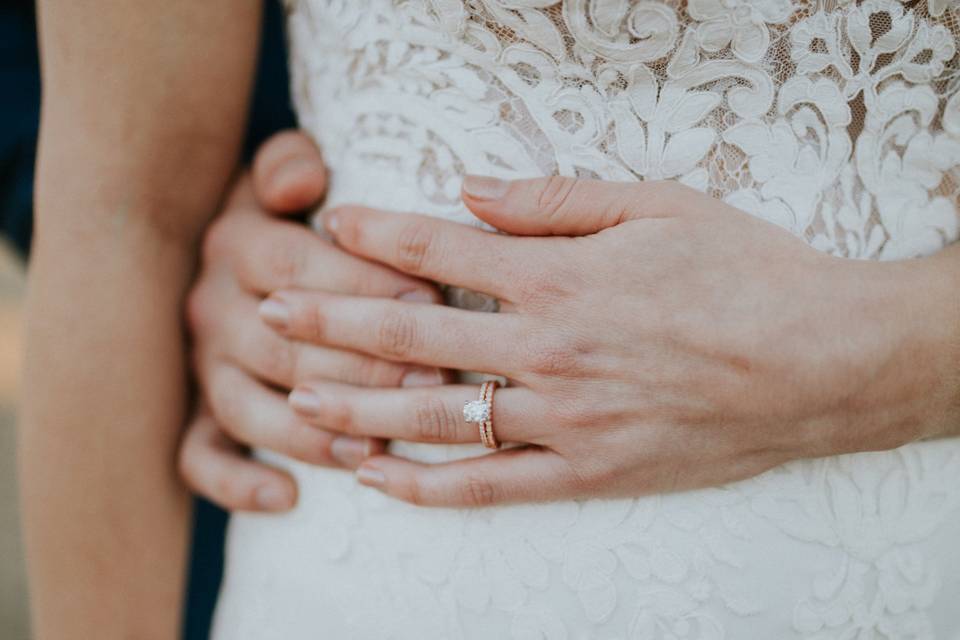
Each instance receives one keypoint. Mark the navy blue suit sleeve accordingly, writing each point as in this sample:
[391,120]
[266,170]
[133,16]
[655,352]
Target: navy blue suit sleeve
[19,119]
[271,112]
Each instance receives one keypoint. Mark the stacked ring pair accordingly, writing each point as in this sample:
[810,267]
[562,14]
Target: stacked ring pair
[480,412]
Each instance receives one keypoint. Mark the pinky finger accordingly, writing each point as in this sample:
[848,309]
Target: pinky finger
[526,474]
[220,470]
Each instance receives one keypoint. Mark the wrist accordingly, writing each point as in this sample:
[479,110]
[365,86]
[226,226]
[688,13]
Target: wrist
[938,281]
[910,389]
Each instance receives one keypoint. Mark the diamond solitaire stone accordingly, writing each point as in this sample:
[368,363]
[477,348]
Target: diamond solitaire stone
[476,411]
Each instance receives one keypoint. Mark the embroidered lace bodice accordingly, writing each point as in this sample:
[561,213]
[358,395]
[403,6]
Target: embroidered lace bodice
[836,119]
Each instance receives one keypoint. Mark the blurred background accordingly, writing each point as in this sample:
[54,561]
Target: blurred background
[19,106]
[13,600]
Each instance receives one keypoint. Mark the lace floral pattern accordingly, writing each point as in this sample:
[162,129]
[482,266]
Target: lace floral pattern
[829,118]
[836,119]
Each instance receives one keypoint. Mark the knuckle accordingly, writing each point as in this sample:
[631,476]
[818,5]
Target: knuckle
[397,334]
[594,478]
[338,416]
[554,356]
[373,372]
[199,314]
[554,194]
[414,245]
[224,411]
[414,493]
[545,287]
[309,445]
[478,491]
[279,362]
[361,373]
[227,492]
[435,422]
[186,461]
[217,241]
[309,321]
[231,418]
[360,283]
[285,261]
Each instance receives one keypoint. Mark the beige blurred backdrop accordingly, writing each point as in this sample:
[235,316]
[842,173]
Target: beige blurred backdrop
[13,601]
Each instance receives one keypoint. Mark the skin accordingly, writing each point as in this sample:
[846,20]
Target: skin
[655,338]
[122,197]
[244,369]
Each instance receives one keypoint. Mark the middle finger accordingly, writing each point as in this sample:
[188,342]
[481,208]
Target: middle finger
[426,334]
[246,340]
[273,254]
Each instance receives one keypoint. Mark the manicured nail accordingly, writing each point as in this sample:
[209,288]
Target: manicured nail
[417,295]
[276,313]
[371,477]
[331,222]
[305,401]
[349,452]
[422,377]
[273,498]
[485,187]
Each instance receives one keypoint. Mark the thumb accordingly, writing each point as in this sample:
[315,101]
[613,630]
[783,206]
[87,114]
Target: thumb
[289,176]
[562,206]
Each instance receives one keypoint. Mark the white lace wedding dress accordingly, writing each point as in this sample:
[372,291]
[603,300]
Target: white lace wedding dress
[839,120]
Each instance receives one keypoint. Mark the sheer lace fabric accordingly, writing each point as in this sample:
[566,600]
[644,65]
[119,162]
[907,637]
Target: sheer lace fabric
[838,120]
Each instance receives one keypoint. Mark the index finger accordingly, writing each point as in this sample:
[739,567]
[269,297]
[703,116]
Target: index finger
[439,250]
[266,254]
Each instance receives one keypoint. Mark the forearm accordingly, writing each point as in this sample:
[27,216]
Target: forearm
[104,397]
[144,105]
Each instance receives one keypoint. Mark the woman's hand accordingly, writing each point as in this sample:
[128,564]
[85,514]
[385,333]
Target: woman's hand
[249,251]
[675,343]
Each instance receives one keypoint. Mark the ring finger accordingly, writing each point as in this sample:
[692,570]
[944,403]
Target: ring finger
[221,471]
[259,417]
[430,414]
[286,363]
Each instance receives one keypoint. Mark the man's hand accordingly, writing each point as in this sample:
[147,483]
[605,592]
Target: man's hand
[243,368]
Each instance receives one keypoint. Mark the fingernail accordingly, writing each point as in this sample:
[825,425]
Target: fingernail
[331,222]
[417,295]
[371,477]
[422,377]
[305,401]
[295,170]
[349,452]
[276,313]
[273,498]
[485,187]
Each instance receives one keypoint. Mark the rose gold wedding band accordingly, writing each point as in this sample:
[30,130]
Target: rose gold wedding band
[481,412]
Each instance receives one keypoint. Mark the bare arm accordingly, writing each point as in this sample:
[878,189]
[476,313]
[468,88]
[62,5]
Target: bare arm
[144,106]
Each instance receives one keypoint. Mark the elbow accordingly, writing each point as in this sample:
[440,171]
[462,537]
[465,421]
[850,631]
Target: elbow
[169,194]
